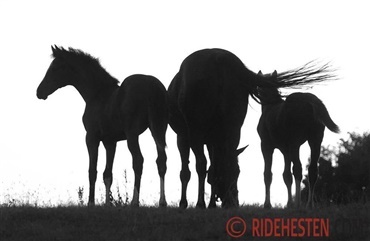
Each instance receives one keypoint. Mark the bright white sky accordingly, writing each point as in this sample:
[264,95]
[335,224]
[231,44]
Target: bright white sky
[43,157]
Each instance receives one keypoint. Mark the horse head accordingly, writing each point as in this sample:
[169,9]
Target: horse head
[269,95]
[58,75]
[223,177]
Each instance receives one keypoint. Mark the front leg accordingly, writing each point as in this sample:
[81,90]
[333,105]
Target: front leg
[267,152]
[110,147]
[137,163]
[92,144]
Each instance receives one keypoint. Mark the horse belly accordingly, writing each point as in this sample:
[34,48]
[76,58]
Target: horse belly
[113,130]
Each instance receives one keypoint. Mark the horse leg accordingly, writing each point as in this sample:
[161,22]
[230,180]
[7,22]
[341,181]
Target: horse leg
[315,145]
[297,172]
[267,152]
[288,179]
[211,181]
[212,201]
[162,168]
[110,148]
[158,128]
[201,167]
[184,149]
[137,163]
[92,147]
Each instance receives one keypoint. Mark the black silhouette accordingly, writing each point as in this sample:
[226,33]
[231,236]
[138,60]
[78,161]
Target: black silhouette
[286,125]
[208,101]
[112,113]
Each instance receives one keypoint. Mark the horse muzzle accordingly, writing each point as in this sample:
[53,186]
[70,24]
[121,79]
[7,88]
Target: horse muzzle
[41,95]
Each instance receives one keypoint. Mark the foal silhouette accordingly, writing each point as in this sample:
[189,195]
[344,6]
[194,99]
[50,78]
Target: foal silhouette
[112,113]
[286,125]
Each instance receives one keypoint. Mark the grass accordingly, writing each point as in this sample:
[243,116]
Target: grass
[349,222]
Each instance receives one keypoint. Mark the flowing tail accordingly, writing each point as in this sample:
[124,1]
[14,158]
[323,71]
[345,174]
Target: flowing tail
[324,117]
[158,115]
[302,77]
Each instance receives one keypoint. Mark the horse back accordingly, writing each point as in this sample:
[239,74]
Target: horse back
[209,90]
[291,121]
[140,101]
[138,91]
[319,112]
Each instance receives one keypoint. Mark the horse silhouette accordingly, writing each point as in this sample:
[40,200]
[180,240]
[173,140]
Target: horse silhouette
[286,125]
[208,101]
[112,113]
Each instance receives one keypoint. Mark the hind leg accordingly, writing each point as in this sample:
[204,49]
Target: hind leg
[297,172]
[288,179]
[162,168]
[158,130]
[267,152]
[137,163]
[315,145]
[213,199]
[184,149]
[211,178]
[201,167]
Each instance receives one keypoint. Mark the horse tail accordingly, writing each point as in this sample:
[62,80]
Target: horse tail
[158,113]
[256,83]
[324,117]
[305,76]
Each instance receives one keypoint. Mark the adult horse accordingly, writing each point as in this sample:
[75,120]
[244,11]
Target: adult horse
[112,113]
[208,100]
[286,125]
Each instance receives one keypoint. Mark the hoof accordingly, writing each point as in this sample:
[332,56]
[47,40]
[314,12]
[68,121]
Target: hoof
[91,204]
[201,205]
[212,205]
[108,204]
[135,204]
[310,206]
[183,204]
[162,203]
[267,206]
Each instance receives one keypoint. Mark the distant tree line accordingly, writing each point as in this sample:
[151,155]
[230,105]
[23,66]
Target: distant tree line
[344,172]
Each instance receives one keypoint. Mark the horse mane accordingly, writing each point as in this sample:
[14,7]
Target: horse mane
[306,75]
[79,58]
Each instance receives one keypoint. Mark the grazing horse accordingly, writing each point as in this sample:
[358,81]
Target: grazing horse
[286,125]
[112,113]
[208,101]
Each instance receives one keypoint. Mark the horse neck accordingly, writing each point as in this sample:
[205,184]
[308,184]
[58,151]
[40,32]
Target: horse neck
[271,102]
[92,85]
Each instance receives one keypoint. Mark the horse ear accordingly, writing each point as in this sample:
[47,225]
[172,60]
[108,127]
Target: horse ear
[260,73]
[240,150]
[274,74]
[55,49]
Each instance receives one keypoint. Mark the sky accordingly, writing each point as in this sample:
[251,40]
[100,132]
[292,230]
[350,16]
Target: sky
[43,157]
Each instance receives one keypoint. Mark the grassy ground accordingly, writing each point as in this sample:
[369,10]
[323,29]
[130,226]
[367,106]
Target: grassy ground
[351,222]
